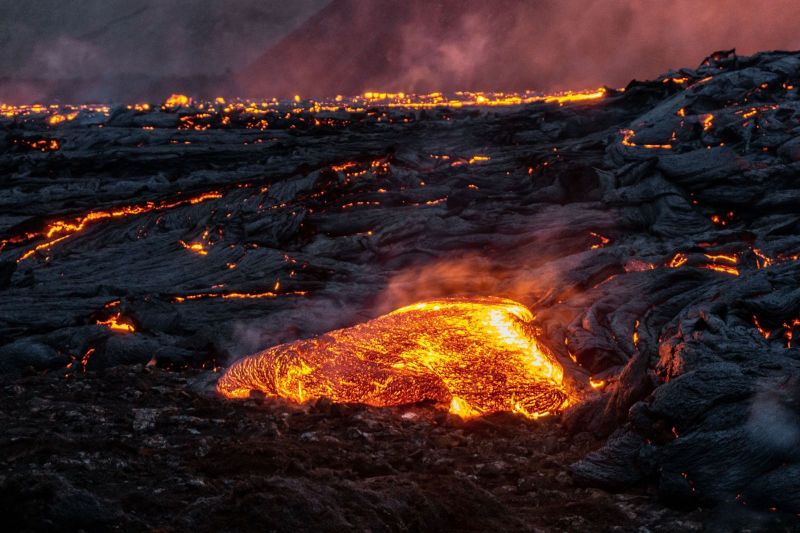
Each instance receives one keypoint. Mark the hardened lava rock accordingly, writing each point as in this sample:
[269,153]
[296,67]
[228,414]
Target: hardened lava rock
[654,232]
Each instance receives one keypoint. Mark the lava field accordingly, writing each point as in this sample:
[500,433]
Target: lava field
[652,231]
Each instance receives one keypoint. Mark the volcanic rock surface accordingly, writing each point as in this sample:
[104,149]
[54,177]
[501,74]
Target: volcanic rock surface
[653,232]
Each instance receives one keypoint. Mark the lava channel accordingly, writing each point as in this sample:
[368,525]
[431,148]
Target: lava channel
[475,355]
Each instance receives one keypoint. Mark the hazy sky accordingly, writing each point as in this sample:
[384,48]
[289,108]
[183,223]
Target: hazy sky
[85,38]
[426,45]
[325,47]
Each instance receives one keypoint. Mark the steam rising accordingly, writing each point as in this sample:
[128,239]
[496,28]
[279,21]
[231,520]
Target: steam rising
[422,46]
[774,421]
[120,50]
[469,275]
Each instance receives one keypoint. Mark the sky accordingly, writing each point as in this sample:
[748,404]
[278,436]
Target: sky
[428,45]
[71,38]
[121,49]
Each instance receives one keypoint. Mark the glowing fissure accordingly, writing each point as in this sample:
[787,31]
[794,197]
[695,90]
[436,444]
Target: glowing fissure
[475,355]
[63,229]
[117,323]
[724,263]
[236,295]
[627,140]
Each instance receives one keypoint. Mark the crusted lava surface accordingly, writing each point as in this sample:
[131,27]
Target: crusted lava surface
[652,231]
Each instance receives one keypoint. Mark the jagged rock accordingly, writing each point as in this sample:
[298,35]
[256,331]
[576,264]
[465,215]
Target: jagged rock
[615,465]
[51,503]
[653,232]
[24,353]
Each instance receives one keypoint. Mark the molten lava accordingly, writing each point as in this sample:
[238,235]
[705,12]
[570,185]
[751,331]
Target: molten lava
[476,355]
[67,228]
[117,323]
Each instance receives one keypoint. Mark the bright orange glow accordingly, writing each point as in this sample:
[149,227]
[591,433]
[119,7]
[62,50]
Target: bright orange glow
[236,295]
[764,333]
[627,140]
[23,111]
[116,323]
[67,228]
[603,240]
[343,166]
[727,258]
[730,259]
[196,247]
[708,121]
[789,333]
[762,261]
[86,357]
[468,98]
[178,100]
[678,260]
[249,113]
[570,96]
[40,247]
[479,159]
[59,118]
[597,383]
[473,355]
[42,145]
[722,220]
[725,269]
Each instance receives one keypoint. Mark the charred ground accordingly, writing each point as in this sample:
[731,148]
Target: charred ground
[653,231]
[142,448]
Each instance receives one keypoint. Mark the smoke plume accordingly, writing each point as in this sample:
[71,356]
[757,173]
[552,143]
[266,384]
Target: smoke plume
[421,45]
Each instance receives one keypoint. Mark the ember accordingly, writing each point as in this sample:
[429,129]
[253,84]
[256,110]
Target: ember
[117,323]
[41,145]
[196,247]
[477,355]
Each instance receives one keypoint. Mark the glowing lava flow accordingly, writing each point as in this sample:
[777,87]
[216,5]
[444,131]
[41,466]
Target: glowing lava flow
[466,98]
[627,140]
[117,323]
[67,228]
[477,355]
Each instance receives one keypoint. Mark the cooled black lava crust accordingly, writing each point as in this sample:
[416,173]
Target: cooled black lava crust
[655,233]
